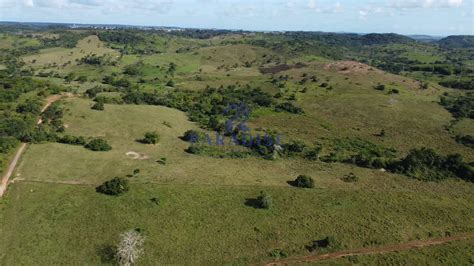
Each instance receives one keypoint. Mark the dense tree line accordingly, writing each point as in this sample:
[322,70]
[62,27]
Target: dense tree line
[461,106]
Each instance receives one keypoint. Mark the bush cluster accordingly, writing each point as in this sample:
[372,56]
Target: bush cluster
[304,181]
[114,187]
[98,145]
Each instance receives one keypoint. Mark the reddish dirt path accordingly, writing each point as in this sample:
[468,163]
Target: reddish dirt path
[11,167]
[374,250]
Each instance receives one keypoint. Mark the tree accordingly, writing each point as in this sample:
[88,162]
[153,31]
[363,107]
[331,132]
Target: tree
[114,187]
[151,138]
[304,181]
[129,248]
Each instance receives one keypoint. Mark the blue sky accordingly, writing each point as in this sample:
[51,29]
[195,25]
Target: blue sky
[435,17]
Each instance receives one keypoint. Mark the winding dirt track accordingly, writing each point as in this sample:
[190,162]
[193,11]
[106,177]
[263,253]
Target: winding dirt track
[11,167]
[374,250]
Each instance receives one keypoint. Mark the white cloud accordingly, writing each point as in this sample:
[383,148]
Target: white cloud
[415,4]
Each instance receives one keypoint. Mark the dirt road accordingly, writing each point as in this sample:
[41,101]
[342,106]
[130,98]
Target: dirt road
[373,250]
[11,167]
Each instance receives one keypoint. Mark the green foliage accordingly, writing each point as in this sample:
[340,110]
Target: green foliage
[278,254]
[98,106]
[462,84]
[380,87]
[133,70]
[328,243]
[304,181]
[264,201]
[170,83]
[151,138]
[360,152]
[313,153]
[460,107]
[294,147]
[114,187]
[70,77]
[193,136]
[7,144]
[425,164]
[206,106]
[466,140]
[350,178]
[98,145]
[73,140]
[289,108]
[458,41]
[217,151]
[30,106]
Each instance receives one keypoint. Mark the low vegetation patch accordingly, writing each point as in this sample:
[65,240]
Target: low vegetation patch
[98,145]
[151,137]
[114,187]
[303,181]
[425,164]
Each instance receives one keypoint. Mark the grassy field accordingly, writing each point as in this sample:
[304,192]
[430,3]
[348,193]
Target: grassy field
[202,216]
[210,224]
[51,213]
[459,253]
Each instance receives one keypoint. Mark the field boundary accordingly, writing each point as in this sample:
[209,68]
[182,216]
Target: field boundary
[417,244]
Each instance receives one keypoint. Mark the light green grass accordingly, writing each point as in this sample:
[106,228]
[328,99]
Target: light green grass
[211,224]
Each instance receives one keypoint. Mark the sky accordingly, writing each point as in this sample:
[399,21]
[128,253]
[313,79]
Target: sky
[431,17]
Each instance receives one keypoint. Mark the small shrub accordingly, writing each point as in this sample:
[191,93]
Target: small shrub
[170,83]
[380,87]
[304,181]
[162,161]
[466,140]
[114,187]
[295,146]
[155,200]
[350,178]
[98,106]
[191,136]
[313,154]
[151,138]
[325,243]
[98,145]
[263,201]
[278,254]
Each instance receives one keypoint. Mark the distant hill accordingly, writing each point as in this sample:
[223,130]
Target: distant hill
[385,38]
[426,38]
[457,41]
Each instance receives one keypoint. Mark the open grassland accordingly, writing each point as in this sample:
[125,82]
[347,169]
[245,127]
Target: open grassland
[210,224]
[8,41]
[64,60]
[456,253]
[202,216]
[51,213]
